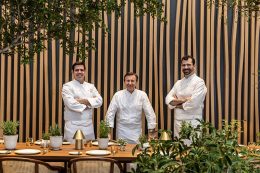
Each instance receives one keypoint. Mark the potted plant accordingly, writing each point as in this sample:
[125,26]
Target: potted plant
[104,131]
[10,134]
[55,137]
[45,140]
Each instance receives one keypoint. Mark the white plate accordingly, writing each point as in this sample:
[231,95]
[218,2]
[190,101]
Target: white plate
[96,143]
[65,143]
[98,152]
[75,152]
[39,142]
[5,152]
[27,151]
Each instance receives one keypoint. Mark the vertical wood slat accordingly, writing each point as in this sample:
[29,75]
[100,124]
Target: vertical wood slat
[240,73]
[105,73]
[176,41]
[202,17]
[155,55]
[183,28]
[194,28]
[226,63]
[60,81]
[21,101]
[207,62]
[46,89]
[8,87]
[144,60]
[131,27]
[34,94]
[98,81]
[189,42]
[15,90]
[2,89]
[212,66]
[41,119]
[245,84]
[256,76]
[218,71]
[125,37]
[161,98]
[118,73]
[93,62]
[150,75]
[112,59]
[168,56]
[112,65]
[138,45]
[28,100]
[252,84]
[233,63]
[54,79]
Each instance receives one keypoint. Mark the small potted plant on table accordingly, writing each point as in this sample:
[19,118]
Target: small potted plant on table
[104,130]
[55,137]
[10,134]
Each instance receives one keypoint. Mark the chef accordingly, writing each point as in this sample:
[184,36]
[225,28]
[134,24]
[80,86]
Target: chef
[128,105]
[187,96]
[79,99]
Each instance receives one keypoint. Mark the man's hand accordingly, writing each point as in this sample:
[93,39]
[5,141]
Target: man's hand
[152,134]
[83,101]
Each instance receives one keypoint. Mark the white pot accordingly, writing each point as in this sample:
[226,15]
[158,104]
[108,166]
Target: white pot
[55,142]
[10,141]
[103,143]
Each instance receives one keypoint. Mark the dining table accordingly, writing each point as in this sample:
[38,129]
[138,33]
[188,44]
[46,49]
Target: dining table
[67,152]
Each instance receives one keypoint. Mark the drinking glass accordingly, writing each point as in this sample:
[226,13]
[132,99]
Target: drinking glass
[114,149]
[29,141]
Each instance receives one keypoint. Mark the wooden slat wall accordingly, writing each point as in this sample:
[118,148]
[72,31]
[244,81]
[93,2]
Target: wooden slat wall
[226,50]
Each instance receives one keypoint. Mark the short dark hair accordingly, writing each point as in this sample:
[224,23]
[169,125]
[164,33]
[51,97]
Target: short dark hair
[78,63]
[131,74]
[186,57]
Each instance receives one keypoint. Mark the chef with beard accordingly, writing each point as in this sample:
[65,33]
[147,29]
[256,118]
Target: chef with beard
[187,96]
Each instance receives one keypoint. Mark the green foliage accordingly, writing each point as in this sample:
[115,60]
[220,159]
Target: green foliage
[121,142]
[46,136]
[244,6]
[55,131]
[211,150]
[26,25]
[104,129]
[9,127]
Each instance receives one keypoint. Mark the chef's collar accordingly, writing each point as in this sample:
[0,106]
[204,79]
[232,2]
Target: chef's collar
[130,92]
[190,75]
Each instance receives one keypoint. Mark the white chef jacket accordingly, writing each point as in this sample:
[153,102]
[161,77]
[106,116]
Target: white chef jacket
[128,107]
[193,87]
[77,115]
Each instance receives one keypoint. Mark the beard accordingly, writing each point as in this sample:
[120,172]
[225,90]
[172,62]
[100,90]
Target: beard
[186,71]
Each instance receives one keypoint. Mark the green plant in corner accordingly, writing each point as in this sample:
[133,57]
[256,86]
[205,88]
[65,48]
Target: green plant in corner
[9,127]
[104,129]
[55,131]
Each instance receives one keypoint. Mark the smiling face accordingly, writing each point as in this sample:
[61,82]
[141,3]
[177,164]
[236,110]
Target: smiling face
[130,83]
[79,73]
[187,67]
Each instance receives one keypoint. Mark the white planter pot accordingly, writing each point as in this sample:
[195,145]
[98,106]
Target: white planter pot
[10,141]
[103,143]
[55,142]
